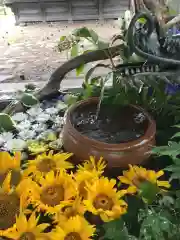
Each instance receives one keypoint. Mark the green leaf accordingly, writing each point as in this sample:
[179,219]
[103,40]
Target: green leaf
[62,38]
[177,125]
[79,70]
[173,168]
[102,45]
[29,100]
[148,191]
[96,80]
[142,20]
[88,91]
[177,203]
[155,225]
[167,201]
[116,230]
[70,99]
[87,51]
[74,50]
[94,36]
[176,135]
[82,32]
[178,193]
[172,150]
[174,176]
[6,123]
[86,33]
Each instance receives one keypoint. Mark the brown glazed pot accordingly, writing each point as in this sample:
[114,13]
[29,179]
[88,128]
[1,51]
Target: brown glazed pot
[116,155]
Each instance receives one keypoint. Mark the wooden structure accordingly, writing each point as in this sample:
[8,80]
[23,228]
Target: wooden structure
[66,10]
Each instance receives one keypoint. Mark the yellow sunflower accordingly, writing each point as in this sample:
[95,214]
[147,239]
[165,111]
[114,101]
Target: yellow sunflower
[12,201]
[28,229]
[70,209]
[135,176]
[104,199]
[93,165]
[10,163]
[82,178]
[54,188]
[45,163]
[75,228]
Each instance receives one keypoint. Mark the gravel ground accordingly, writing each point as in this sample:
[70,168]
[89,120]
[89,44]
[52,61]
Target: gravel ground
[29,53]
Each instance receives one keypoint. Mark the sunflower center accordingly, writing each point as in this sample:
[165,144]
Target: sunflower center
[46,165]
[103,201]
[9,208]
[52,195]
[27,236]
[69,212]
[73,236]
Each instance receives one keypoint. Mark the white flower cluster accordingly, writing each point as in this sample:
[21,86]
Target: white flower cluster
[37,123]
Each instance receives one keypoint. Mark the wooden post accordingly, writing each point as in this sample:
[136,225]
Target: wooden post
[43,11]
[100,10]
[16,13]
[70,19]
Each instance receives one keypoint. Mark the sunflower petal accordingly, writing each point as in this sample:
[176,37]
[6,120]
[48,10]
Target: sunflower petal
[160,173]
[132,190]
[32,222]
[6,184]
[124,180]
[165,184]
[21,223]
[42,227]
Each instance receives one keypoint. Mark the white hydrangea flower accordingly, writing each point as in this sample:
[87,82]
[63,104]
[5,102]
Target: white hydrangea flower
[6,136]
[18,117]
[35,111]
[39,127]
[59,120]
[52,110]
[26,124]
[27,134]
[43,117]
[15,145]
[44,135]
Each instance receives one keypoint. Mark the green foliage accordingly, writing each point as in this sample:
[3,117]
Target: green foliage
[28,100]
[79,70]
[148,191]
[6,123]
[156,225]
[117,230]
[74,50]
[172,150]
[70,99]
[62,38]
[91,36]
